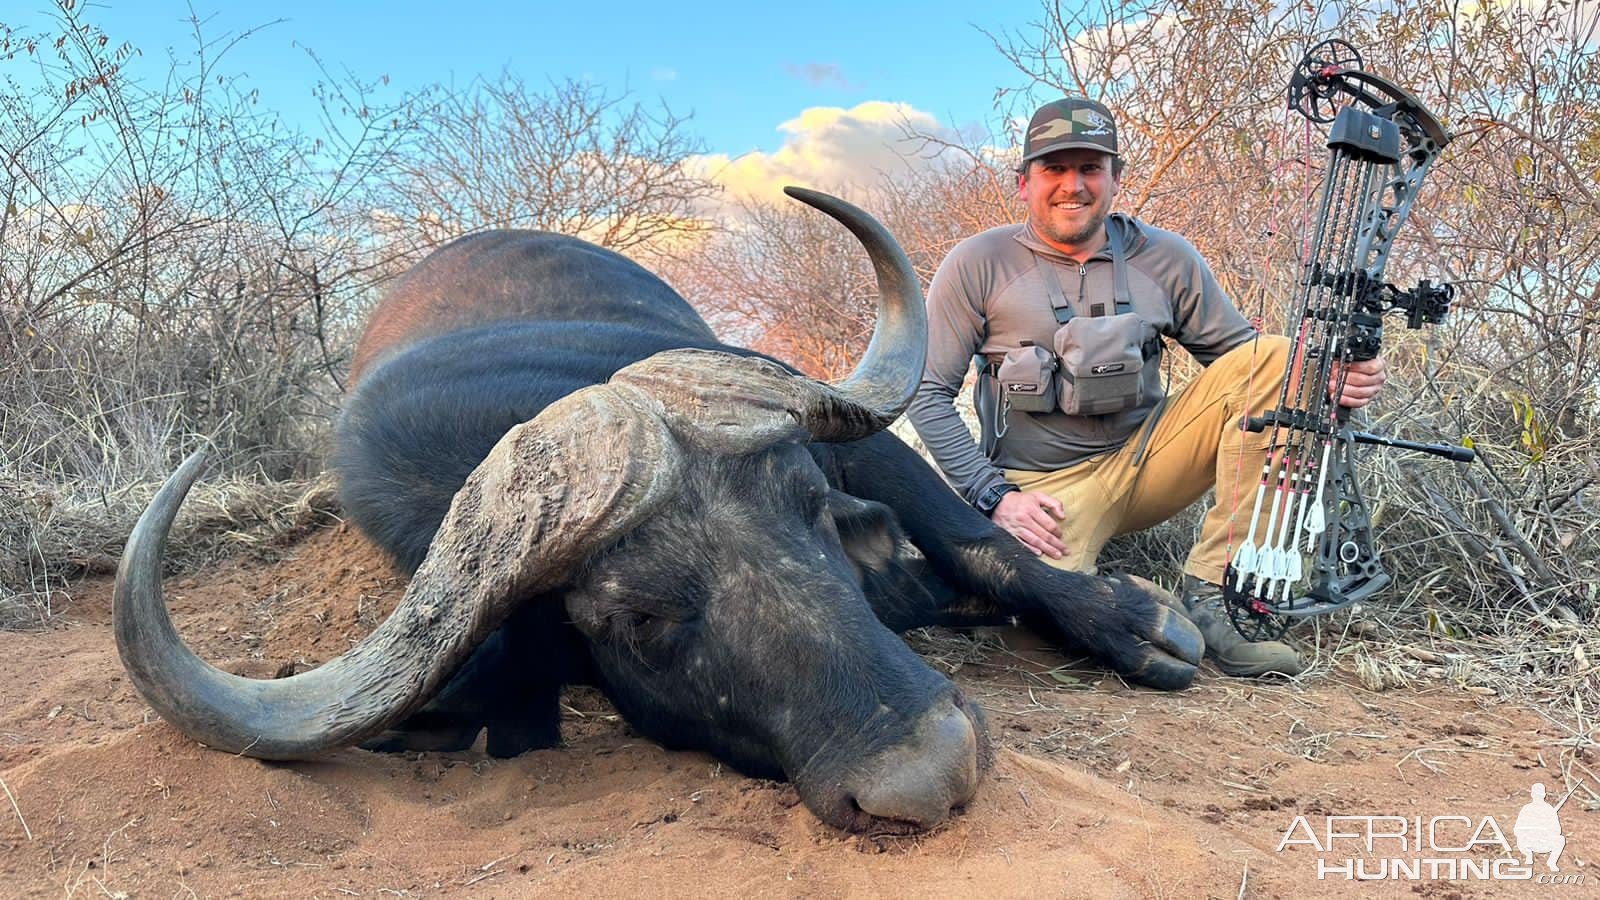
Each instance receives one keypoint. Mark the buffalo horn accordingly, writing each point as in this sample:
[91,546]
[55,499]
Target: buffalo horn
[881,387]
[737,404]
[582,473]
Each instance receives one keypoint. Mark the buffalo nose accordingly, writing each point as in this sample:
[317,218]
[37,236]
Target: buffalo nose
[922,779]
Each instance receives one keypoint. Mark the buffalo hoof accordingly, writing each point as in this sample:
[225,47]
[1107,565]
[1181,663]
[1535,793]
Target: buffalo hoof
[424,740]
[432,732]
[1133,631]
[1171,657]
[1169,647]
[508,738]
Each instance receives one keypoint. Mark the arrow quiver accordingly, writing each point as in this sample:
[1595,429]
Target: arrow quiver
[1309,549]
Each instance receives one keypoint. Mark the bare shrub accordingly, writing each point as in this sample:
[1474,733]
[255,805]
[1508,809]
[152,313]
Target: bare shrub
[574,158]
[176,270]
[786,281]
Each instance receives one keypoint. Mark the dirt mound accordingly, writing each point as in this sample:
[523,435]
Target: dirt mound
[1099,790]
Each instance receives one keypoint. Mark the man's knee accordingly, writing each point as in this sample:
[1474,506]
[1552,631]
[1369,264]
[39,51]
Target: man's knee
[1267,354]
[1256,366]
[1274,355]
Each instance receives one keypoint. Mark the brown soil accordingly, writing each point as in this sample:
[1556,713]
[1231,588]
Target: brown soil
[1099,789]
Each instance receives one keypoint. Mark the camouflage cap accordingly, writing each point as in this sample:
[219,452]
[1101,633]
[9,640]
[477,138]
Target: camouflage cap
[1070,123]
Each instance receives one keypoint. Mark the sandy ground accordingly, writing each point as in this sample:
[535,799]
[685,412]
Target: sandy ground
[1100,790]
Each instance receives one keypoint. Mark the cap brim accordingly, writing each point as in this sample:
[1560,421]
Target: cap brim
[1068,145]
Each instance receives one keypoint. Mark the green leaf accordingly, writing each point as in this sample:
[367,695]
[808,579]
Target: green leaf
[1437,625]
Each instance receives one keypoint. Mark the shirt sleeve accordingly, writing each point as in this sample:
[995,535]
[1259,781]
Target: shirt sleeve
[1209,325]
[956,329]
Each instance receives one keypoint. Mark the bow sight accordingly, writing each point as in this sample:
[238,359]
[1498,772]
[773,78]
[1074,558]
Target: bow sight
[1381,142]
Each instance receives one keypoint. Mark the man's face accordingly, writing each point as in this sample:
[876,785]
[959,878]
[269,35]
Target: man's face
[1069,194]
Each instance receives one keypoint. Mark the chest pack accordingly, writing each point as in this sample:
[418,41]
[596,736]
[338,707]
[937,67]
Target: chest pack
[1095,364]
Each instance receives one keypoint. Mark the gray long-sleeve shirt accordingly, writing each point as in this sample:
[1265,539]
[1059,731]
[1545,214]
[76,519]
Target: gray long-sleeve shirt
[988,296]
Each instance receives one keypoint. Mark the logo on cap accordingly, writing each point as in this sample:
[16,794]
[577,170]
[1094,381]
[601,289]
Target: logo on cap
[1097,123]
[1071,122]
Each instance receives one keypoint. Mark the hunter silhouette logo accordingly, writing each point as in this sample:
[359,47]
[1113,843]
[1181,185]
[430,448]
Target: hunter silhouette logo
[1538,828]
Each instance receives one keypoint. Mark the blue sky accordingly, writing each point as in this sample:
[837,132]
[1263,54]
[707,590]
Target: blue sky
[742,73]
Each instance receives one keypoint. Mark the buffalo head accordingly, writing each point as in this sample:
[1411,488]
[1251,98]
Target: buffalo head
[676,516]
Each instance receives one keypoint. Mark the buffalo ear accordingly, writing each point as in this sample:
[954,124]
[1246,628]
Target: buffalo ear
[869,531]
[891,569]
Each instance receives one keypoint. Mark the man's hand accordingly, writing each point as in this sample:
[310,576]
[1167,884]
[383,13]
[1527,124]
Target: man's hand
[1363,382]
[1031,517]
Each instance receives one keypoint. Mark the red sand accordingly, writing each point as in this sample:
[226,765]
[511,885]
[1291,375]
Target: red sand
[1100,790]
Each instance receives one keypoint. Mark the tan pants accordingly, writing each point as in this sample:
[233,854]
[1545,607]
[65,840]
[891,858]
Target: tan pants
[1196,444]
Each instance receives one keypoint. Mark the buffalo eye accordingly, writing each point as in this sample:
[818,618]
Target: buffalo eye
[637,627]
[633,620]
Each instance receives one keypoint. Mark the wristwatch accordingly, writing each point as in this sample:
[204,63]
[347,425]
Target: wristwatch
[990,498]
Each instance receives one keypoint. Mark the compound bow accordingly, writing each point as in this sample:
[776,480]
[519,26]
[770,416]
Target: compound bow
[1381,145]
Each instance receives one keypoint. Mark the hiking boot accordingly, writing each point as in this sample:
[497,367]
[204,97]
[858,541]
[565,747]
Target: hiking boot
[1203,605]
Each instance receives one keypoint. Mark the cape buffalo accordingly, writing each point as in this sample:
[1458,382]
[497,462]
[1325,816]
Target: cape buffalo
[587,485]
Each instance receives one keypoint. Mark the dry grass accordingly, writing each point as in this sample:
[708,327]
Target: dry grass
[64,534]
[26,831]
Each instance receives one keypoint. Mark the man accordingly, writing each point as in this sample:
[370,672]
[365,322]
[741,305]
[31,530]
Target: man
[1063,484]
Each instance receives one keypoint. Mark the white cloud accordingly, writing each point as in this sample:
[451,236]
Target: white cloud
[1114,48]
[832,149]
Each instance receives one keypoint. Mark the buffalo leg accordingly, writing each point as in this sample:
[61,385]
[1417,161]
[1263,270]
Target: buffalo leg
[989,574]
[510,685]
